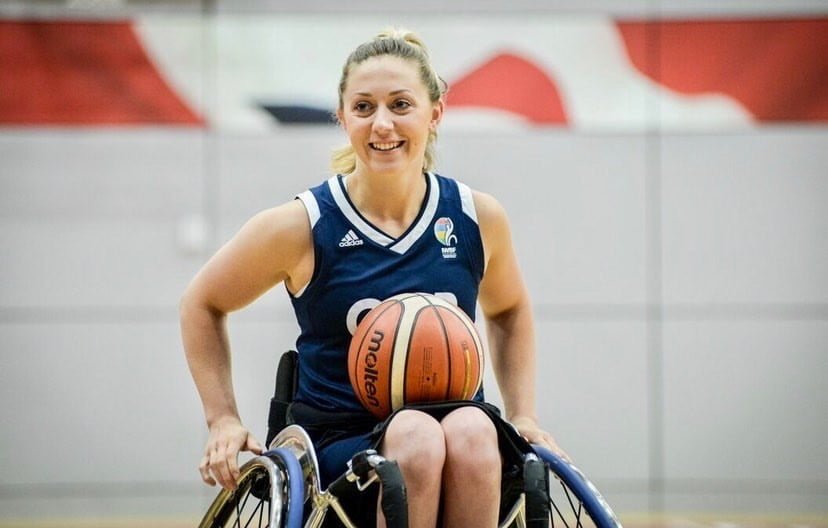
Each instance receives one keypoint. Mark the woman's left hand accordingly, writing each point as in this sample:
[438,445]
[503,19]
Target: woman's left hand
[531,431]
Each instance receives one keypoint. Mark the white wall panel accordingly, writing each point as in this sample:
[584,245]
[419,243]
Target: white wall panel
[744,217]
[746,400]
[576,208]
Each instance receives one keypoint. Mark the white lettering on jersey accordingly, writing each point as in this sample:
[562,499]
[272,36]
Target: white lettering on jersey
[448,297]
[362,305]
[365,305]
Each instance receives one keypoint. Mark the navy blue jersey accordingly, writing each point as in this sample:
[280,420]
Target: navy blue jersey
[357,266]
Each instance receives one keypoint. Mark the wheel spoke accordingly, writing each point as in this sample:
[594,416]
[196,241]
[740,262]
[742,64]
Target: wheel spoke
[237,522]
[259,508]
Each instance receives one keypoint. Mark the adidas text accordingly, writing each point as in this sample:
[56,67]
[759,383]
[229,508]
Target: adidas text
[350,239]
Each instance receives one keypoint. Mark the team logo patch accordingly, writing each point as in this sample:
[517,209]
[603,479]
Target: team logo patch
[350,239]
[444,232]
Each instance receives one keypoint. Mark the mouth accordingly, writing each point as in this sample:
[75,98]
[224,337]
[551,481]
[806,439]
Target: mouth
[387,146]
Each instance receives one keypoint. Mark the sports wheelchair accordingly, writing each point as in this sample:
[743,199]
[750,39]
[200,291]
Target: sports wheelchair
[282,487]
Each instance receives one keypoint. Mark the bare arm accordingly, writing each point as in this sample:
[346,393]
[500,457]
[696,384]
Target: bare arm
[509,322]
[272,247]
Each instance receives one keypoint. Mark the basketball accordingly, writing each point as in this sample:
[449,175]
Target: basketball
[414,348]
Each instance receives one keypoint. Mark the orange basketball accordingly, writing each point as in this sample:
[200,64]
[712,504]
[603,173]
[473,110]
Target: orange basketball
[412,348]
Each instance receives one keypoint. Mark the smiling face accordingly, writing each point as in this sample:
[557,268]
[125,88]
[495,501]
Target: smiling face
[388,115]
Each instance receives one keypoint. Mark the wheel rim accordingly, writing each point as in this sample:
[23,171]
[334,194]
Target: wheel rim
[255,503]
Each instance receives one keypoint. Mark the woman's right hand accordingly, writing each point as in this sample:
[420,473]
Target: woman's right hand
[220,463]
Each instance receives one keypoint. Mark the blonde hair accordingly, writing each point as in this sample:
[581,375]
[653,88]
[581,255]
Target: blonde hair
[396,42]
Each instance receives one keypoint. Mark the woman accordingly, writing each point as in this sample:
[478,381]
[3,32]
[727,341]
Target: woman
[365,235]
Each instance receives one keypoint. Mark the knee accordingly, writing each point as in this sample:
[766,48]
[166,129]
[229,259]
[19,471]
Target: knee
[416,441]
[471,441]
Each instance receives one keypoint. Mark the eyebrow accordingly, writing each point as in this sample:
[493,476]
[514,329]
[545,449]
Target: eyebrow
[395,92]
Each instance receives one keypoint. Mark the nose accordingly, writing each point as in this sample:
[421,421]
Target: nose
[383,121]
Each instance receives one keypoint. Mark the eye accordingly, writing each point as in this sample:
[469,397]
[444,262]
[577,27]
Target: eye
[362,107]
[401,104]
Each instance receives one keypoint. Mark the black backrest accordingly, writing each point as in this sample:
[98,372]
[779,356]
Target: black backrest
[286,374]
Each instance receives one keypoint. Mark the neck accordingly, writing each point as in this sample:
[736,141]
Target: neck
[391,202]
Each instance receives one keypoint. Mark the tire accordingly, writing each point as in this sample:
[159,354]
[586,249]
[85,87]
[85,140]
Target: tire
[573,499]
[270,493]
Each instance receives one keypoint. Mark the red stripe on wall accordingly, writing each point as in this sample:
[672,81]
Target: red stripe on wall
[511,83]
[777,69]
[94,73]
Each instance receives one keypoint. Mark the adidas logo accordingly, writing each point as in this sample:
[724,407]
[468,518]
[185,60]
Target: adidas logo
[350,239]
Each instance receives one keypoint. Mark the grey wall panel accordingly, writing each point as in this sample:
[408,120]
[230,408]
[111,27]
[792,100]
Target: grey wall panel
[256,172]
[576,208]
[745,401]
[113,406]
[257,346]
[55,175]
[744,217]
[93,217]
[575,202]
[110,402]
[127,266]
[592,394]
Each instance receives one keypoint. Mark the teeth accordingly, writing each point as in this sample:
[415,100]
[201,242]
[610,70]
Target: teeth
[386,146]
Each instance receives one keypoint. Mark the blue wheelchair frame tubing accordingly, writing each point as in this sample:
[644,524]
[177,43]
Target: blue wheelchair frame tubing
[296,486]
[584,490]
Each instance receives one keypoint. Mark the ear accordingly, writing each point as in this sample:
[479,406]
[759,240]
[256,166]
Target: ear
[436,114]
[339,118]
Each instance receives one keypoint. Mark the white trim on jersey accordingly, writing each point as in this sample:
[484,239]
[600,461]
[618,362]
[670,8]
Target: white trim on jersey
[353,217]
[398,246]
[423,224]
[311,206]
[467,200]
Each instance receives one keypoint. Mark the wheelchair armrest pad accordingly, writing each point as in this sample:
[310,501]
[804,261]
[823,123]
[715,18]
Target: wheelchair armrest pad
[283,394]
[536,488]
[286,374]
[394,498]
[276,419]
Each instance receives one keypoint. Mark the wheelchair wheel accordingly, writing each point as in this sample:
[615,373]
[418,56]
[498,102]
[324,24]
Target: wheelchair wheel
[270,493]
[573,499]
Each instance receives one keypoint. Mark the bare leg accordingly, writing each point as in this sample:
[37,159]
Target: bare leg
[471,475]
[415,440]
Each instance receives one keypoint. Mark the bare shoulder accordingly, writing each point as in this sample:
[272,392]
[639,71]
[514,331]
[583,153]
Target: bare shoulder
[275,245]
[489,210]
[284,223]
[493,221]
[278,238]
[501,289]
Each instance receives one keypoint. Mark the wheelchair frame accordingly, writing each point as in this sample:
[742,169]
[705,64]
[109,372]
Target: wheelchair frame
[285,485]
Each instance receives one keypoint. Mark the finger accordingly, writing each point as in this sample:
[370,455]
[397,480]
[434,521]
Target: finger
[557,450]
[253,445]
[235,446]
[204,469]
[220,468]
